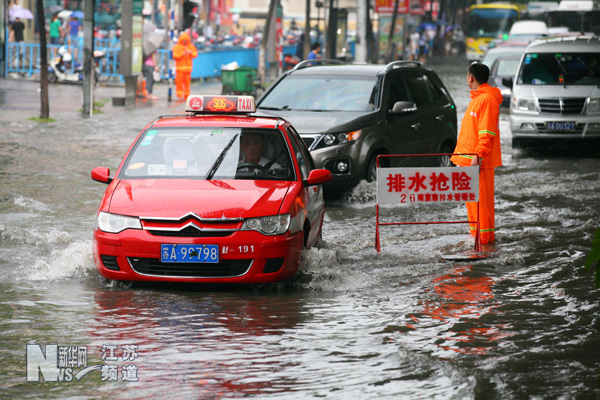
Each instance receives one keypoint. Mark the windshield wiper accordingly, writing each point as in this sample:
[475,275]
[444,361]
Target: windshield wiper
[220,159]
[563,69]
[591,71]
[275,108]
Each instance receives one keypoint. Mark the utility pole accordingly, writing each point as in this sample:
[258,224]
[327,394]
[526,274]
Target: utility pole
[88,59]
[306,43]
[361,38]
[390,50]
[263,44]
[45,105]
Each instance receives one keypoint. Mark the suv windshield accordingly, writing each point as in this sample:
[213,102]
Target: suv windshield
[209,153]
[560,69]
[323,93]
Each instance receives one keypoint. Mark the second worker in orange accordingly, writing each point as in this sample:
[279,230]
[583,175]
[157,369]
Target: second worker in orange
[480,134]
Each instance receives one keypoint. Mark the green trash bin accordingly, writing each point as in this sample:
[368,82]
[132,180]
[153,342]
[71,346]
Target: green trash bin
[238,81]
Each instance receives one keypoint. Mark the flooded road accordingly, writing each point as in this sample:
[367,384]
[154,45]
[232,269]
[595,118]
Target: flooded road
[353,324]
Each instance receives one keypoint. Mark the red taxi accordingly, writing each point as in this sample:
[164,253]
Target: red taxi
[217,195]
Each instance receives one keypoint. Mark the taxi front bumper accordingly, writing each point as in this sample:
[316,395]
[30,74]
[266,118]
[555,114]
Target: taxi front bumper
[244,257]
[525,126]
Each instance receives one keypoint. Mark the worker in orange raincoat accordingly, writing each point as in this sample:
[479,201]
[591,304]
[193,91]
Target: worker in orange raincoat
[183,53]
[480,134]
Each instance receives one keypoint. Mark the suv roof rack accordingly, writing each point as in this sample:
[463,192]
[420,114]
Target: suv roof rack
[311,63]
[403,63]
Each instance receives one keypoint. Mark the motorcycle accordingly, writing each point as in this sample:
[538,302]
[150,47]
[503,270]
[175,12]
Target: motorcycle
[64,69]
[290,61]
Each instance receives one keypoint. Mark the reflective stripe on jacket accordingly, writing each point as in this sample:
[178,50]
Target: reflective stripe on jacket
[480,129]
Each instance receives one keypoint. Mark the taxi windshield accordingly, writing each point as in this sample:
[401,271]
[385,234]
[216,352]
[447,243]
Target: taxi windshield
[560,69]
[209,153]
[322,93]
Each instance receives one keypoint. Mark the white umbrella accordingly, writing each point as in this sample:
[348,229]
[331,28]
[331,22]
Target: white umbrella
[21,13]
[64,14]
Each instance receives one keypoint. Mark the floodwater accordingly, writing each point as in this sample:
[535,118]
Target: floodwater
[354,324]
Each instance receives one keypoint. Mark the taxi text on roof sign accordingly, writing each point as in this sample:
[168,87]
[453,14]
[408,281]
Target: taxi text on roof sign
[427,185]
[220,104]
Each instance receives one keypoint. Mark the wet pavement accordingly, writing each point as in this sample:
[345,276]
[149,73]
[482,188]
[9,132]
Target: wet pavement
[354,324]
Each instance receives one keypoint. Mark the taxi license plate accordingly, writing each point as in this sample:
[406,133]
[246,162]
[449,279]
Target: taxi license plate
[561,126]
[189,253]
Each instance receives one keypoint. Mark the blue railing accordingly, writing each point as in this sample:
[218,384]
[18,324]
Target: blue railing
[24,58]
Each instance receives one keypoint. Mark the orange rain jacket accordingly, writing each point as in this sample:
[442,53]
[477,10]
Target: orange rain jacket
[480,130]
[184,61]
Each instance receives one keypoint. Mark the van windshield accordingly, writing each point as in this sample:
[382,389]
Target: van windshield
[560,69]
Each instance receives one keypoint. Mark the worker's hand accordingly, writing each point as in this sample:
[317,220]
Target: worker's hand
[475,161]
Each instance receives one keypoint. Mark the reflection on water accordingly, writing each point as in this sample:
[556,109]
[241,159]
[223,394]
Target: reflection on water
[354,323]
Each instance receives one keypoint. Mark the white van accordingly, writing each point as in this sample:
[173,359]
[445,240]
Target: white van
[528,31]
[556,92]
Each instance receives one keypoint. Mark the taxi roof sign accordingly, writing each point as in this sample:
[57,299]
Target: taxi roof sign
[220,104]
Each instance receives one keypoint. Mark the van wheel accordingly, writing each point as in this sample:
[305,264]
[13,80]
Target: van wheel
[372,168]
[444,161]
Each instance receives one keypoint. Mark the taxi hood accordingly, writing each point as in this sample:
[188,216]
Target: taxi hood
[175,198]
[312,122]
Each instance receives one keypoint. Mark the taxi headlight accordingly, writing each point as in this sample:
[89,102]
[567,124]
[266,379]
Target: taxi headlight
[114,223]
[340,138]
[271,225]
[593,106]
[523,104]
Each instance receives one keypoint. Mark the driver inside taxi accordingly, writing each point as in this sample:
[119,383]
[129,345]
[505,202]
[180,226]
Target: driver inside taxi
[252,146]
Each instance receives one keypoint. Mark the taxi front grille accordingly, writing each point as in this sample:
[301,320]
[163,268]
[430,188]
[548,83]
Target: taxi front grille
[223,269]
[562,105]
[190,232]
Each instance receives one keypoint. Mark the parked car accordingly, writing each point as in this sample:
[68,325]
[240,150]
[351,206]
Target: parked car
[349,114]
[556,95]
[504,67]
[503,49]
[213,196]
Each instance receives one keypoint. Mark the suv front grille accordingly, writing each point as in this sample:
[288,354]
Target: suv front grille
[562,105]
[223,269]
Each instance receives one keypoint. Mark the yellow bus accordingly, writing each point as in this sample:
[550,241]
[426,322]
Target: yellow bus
[486,22]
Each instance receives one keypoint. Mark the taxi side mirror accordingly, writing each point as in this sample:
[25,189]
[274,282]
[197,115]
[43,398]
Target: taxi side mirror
[404,107]
[318,177]
[101,174]
[507,82]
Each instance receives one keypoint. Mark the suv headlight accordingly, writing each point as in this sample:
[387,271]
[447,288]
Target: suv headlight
[272,225]
[331,139]
[523,104]
[593,106]
[114,223]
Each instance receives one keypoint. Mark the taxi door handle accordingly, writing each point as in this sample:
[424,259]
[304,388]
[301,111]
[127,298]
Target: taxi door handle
[415,126]
[439,117]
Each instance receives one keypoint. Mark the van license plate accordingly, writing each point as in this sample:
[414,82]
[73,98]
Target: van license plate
[189,253]
[561,126]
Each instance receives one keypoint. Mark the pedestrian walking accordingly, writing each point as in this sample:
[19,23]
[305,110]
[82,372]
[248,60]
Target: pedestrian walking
[183,54]
[315,51]
[55,30]
[73,26]
[149,67]
[17,29]
[480,134]
[414,45]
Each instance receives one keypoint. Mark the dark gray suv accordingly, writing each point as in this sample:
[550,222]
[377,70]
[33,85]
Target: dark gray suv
[349,114]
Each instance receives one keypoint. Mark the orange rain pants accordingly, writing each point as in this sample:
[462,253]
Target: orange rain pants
[486,207]
[182,84]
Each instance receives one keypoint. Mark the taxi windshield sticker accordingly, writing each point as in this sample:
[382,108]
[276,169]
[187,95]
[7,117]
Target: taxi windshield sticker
[150,135]
[137,165]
